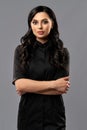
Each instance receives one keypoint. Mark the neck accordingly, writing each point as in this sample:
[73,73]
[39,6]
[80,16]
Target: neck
[42,40]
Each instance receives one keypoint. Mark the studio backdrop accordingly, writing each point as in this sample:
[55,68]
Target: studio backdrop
[72,20]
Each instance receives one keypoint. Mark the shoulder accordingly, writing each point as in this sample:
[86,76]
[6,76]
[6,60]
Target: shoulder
[18,47]
[17,51]
[66,51]
[66,56]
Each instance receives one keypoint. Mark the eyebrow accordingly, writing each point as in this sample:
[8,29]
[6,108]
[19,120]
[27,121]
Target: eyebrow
[41,19]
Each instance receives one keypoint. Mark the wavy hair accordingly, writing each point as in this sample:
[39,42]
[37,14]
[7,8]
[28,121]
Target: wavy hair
[58,54]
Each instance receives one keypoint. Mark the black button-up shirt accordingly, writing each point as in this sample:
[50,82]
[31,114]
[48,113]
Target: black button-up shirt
[38,111]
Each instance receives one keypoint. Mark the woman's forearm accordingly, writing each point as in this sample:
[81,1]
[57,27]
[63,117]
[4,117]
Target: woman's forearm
[58,86]
[46,92]
[34,86]
[50,92]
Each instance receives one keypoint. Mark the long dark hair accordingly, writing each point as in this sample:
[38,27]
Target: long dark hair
[58,54]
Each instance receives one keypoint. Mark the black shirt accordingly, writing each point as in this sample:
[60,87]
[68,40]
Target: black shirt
[37,111]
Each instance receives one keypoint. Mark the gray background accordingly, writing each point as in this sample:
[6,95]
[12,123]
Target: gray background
[72,19]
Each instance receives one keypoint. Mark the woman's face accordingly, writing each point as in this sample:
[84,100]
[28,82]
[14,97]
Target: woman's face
[41,26]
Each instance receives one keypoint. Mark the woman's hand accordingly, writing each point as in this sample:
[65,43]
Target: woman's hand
[20,93]
[62,85]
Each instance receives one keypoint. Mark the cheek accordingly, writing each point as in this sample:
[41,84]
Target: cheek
[48,28]
[33,29]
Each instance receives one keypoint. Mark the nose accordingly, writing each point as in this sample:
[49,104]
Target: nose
[40,25]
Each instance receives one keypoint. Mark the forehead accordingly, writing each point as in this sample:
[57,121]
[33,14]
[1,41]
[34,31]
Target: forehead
[41,15]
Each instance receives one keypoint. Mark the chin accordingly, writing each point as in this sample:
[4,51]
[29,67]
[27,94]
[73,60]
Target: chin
[42,37]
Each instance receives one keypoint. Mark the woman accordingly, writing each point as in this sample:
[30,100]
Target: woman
[41,73]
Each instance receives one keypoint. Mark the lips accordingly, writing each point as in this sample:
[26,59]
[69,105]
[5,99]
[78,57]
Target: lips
[40,32]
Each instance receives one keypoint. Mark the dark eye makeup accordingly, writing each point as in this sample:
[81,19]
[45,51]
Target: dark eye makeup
[44,21]
[34,22]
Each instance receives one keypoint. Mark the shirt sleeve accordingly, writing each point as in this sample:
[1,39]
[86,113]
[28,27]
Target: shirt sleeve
[67,60]
[17,69]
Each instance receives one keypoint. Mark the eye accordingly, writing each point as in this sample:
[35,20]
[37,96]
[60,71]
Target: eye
[34,22]
[45,21]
